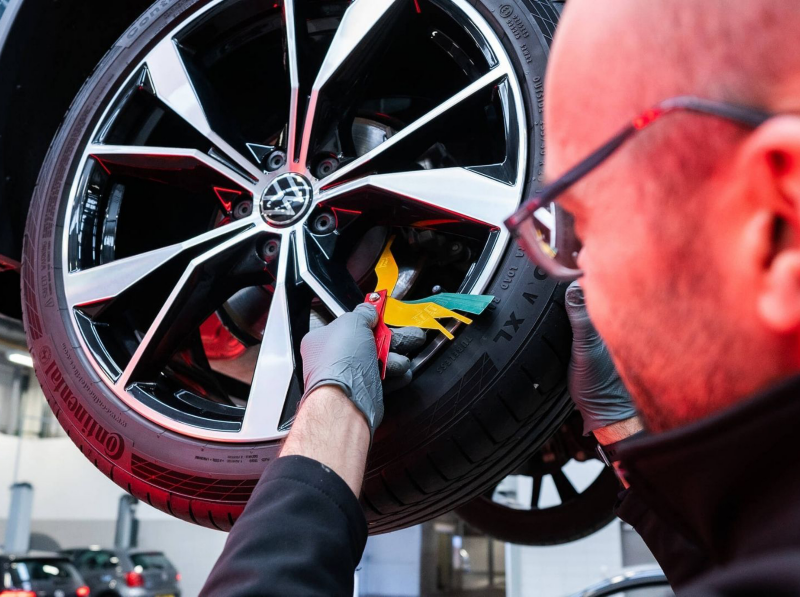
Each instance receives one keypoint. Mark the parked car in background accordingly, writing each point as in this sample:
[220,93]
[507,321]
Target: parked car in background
[126,572]
[40,574]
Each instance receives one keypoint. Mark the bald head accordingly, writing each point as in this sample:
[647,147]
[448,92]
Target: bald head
[691,231]
[612,60]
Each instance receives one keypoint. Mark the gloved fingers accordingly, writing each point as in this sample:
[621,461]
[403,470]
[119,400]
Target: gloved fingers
[583,330]
[367,313]
[395,383]
[599,415]
[397,365]
[593,381]
[408,339]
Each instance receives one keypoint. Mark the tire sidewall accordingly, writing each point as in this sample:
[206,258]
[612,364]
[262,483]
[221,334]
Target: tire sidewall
[87,409]
[521,290]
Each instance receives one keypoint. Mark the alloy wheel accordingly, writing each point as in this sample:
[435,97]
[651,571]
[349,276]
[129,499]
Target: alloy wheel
[215,219]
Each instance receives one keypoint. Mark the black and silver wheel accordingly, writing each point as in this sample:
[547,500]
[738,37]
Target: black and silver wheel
[561,494]
[228,178]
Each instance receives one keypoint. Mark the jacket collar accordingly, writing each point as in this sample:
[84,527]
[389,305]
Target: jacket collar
[730,483]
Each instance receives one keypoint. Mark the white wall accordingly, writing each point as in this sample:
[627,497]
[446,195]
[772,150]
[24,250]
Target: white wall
[76,504]
[561,570]
[391,564]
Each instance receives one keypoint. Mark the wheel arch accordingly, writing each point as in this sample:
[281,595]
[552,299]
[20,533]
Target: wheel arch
[48,48]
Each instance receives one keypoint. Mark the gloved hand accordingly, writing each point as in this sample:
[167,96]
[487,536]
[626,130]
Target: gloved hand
[593,381]
[343,354]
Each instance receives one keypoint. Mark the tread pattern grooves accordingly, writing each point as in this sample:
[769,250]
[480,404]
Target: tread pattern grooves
[483,428]
[414,483]
[211,520]
[436,468]
[528,374]
[391,493]
[549,343]
[463,452]
[508,408]
[369,503]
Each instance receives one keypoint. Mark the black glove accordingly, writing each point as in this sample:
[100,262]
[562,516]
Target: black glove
[343,354]
[593,381]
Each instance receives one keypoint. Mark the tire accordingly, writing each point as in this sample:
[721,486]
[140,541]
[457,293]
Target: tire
[564,525]
[579,513]
[477,408]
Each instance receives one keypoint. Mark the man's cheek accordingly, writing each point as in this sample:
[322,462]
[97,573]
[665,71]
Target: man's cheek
[609,289]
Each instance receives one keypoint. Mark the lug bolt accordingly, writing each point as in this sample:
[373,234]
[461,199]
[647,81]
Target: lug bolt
[324,223]
[455,248]
[242,209]
[270,250]
[325,167]
[276,160]
[436,289]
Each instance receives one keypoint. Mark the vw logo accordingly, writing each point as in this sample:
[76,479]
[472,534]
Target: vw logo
[286,199]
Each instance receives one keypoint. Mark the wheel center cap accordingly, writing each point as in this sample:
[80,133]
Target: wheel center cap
[286,199]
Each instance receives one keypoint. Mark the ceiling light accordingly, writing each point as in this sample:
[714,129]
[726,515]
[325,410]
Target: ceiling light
[21,359]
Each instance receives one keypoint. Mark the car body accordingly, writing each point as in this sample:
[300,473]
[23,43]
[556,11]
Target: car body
[33,38]
[40,574]
[126,572]
[639,581]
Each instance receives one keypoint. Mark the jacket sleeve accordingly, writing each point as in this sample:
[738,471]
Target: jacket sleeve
[681,560]
[301,533]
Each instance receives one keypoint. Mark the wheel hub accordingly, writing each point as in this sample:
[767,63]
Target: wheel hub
[286,199]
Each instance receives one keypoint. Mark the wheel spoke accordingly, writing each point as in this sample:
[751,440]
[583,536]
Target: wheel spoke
[174,87]
[137,159]
[292,132]
[536,492]
[275,367]
[566,491]
[210,278]
[355,32]
[356,26]
[458,192]
[349,171]
[107,281]
[331,282]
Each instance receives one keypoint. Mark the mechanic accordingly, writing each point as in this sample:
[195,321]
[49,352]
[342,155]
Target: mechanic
[690,264]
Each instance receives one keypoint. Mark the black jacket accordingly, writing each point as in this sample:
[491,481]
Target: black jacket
[302,533]
[718,503]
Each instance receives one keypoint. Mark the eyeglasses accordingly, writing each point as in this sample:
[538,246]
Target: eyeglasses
[546,231]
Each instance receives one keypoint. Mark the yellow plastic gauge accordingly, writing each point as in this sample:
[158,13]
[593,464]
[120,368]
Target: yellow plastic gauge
[422,313]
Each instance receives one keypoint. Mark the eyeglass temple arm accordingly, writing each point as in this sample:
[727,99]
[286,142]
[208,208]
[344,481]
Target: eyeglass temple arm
[546,193]
[747,116]
[751,117]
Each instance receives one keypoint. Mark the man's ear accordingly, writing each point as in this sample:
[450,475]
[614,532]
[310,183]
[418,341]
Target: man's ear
[771,158]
